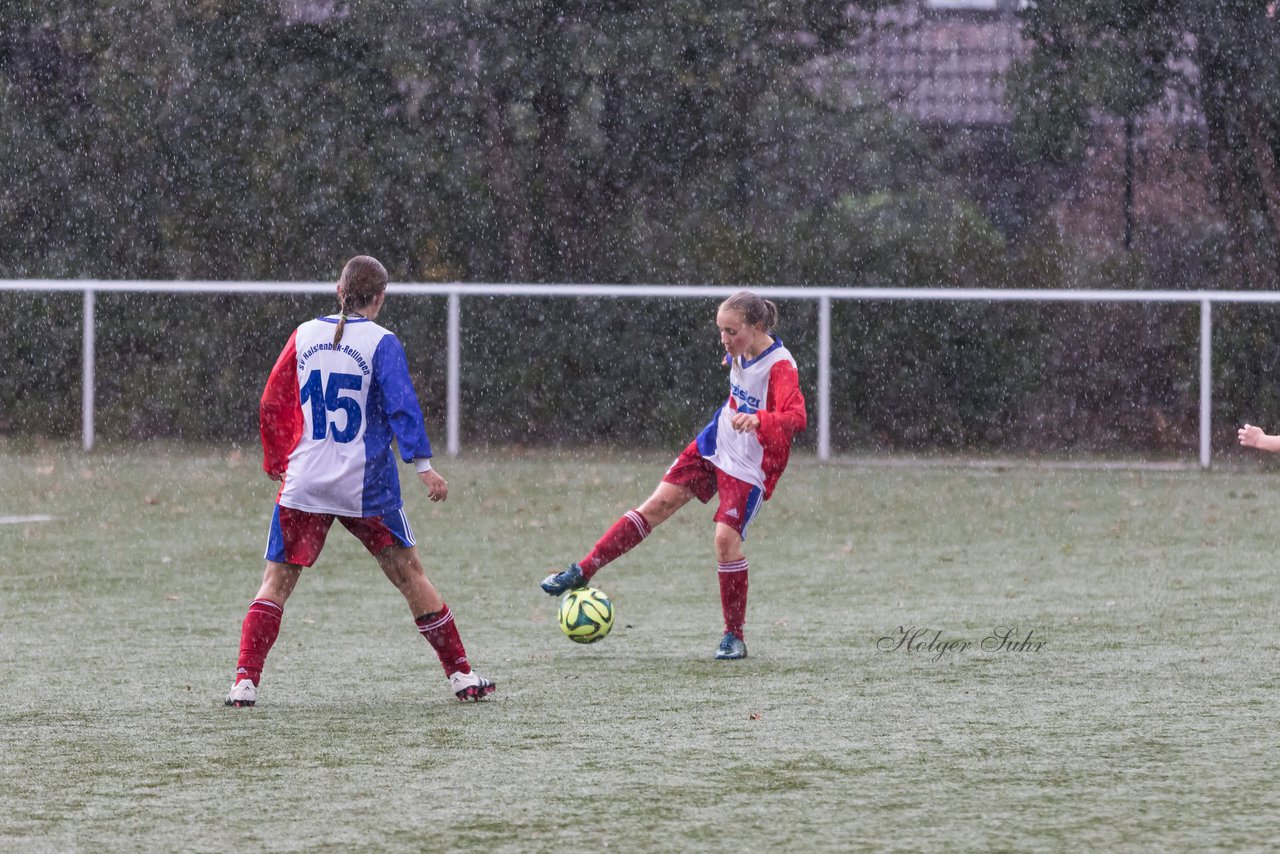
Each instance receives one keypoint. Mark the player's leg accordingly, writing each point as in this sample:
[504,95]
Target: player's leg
[739,502]
[403,568]
[634,525]
[731,572]
[689,477]
[390,540]
[294,540]
[622,536]
[666,499]
[434,621]
[260,628]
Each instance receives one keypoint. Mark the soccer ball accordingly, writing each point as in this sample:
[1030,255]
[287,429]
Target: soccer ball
[586,615]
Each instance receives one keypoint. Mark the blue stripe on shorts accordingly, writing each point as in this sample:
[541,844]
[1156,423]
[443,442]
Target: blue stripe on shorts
[398,524]
[755,498]
[275,538]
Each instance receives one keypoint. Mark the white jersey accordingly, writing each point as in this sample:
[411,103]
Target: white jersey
[329,414]
[756,457]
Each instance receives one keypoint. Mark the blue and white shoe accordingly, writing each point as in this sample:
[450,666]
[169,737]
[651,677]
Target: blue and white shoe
[560,582]
[471,686]
[731,648]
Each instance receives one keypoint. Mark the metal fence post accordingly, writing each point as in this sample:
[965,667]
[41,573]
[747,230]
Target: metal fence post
[87,372]
[824,378]
[454,374]
[1206,380]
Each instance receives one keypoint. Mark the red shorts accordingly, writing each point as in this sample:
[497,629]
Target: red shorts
[296,536]
[739,500]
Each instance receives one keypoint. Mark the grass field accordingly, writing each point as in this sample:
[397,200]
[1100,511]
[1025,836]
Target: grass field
[1146,721]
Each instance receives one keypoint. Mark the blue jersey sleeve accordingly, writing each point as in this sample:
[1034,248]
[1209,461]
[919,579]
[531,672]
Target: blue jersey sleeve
[399,400]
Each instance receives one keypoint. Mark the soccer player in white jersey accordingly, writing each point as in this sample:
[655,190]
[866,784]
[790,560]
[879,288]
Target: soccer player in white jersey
[337,395]
[740,455]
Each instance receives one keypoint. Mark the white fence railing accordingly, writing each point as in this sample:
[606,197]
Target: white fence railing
[822,295]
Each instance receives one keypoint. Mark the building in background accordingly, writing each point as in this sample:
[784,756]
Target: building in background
[943,62]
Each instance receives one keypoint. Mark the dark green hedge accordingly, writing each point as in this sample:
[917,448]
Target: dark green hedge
[1049,377]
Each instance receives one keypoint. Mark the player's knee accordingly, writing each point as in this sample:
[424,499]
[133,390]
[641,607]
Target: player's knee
[402,567]
[657,510]
[728,543]
[666,509]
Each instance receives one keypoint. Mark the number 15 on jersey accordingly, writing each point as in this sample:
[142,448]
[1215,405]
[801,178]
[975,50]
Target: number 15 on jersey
[330,398]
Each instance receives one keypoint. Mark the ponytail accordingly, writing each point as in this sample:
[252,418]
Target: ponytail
[342,317]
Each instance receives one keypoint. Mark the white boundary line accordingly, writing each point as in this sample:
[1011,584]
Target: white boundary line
[1012,464]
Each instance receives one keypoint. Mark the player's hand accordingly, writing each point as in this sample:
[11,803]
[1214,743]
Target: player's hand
[745,423]
[276,476]
[1250,436]
[437,487]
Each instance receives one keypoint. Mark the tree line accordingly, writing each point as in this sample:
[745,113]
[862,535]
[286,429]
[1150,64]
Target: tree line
[544,141]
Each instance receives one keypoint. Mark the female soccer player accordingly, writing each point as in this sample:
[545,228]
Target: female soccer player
[337,395]
[740,455]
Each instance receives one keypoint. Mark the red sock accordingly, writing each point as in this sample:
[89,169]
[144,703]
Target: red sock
[257,634]
[622,537]
[442,633]
[733,595]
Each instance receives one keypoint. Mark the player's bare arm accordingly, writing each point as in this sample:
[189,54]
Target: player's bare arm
[1255,437]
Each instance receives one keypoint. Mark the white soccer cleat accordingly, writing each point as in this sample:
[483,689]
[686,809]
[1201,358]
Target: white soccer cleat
[245,693]
[470,686]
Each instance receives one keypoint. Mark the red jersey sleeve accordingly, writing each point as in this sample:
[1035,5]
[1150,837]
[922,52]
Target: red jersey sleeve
[784,414]
[280,412]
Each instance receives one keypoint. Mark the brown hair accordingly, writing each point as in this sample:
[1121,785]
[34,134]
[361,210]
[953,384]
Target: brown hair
[362,279]
[755,310]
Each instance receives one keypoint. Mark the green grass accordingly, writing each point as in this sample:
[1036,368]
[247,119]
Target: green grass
[1147,721]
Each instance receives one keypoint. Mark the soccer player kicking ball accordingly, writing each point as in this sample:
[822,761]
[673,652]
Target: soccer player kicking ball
[337,395]
[740,455]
